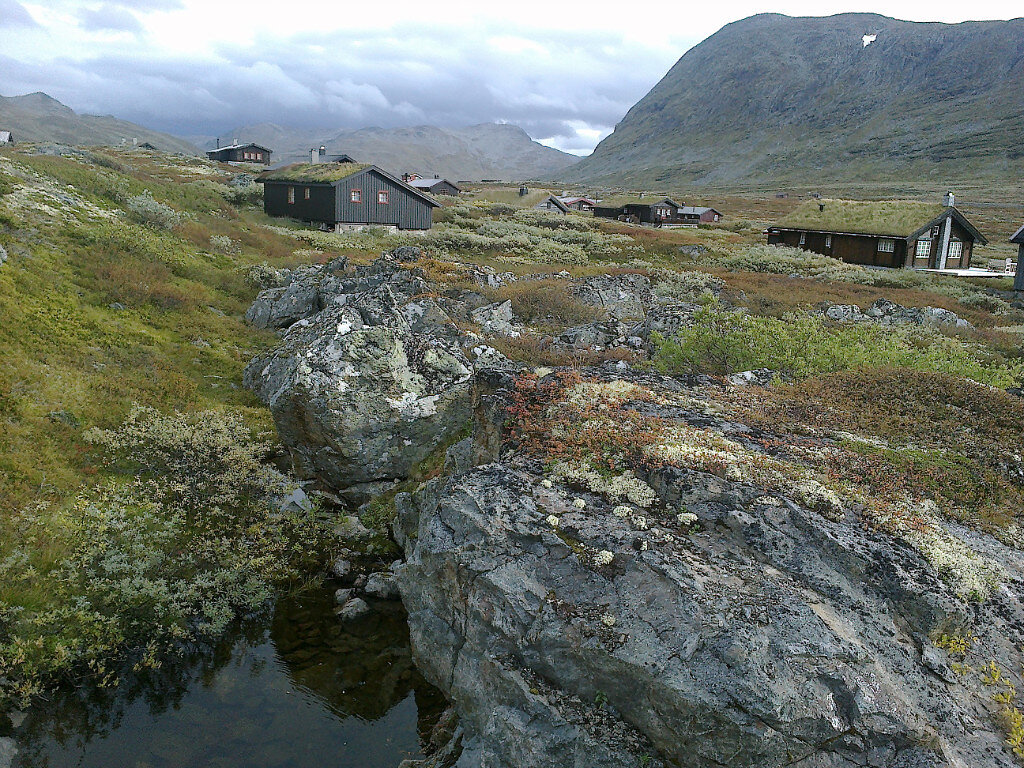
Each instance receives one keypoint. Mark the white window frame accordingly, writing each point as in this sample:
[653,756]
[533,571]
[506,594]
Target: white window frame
[886,245]
[959,254]
[923,249]
[355,196]
[828,241]
[383,198]
[803,238]
[291,195]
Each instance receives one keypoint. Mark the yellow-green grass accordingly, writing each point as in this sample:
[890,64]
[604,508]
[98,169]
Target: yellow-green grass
[71,360]
[510,195]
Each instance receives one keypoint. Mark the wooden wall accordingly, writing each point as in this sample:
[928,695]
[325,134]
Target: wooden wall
[403,209]
[319,208]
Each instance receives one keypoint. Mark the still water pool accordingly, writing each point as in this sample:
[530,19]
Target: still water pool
[292,689]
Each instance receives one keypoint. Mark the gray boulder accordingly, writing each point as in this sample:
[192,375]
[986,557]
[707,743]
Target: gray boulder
[885,312]
[407,253]
[624,296]
[846,313]
[3,255]
[382,585]
[597,334]
[496,318]
[368,386]
[759,377]
[354,608]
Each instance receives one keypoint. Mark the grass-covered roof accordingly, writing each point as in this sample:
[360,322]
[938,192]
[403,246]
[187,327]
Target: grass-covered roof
[314,173]
[900,218]
[620,200]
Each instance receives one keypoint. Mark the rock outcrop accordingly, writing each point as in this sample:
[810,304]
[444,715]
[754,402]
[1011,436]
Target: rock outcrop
[885,312]
[722,625]
[370,377]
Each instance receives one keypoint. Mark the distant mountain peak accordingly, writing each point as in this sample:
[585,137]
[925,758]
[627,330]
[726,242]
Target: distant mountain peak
[773,97]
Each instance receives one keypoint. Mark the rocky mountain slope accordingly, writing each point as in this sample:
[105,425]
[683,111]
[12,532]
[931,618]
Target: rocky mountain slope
[774,98]
[619,568]
[486,151]
[38,117]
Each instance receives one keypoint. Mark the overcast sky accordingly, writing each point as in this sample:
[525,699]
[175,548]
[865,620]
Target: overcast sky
[564,71]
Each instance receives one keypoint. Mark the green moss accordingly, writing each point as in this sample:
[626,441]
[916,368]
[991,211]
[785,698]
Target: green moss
[899,218]
[314,173]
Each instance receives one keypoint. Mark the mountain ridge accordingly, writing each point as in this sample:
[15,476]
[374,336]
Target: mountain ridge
[37,116]
[774,97]
[485,150]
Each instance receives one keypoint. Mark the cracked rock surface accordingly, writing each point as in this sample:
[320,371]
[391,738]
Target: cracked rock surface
[759,633]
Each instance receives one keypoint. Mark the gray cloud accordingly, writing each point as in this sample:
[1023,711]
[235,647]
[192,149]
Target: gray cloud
[548,83]
[109,17]
[13,14]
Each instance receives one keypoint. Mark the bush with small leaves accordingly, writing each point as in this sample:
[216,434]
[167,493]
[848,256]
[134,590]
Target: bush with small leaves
[145,210]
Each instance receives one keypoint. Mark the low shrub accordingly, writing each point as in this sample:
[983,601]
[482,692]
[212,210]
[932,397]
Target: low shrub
[192,537]
[721,341]
[145,210]
[546,302]
[223,244]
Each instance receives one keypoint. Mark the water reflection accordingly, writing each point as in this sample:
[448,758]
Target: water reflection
[295,689]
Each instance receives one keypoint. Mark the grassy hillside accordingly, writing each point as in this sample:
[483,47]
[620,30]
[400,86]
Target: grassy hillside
[776,99]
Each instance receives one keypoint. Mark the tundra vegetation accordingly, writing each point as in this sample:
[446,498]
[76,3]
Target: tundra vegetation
[142,505]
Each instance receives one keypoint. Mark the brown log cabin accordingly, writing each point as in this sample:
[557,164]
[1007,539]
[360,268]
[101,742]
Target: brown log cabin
[892,233]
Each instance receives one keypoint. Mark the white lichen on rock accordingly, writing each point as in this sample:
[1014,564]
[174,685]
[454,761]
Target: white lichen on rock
[686,518]
[626,486]
[603,558]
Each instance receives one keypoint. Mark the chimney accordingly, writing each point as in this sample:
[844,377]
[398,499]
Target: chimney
[234,142]
[313,156]
[948,200]
[436,176]
[821,206]
[218,142]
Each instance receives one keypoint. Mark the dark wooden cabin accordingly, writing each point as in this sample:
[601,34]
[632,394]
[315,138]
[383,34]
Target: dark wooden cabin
[436,186]
[891,233]
[241,153]
[656,211]
[338,196]
[1018,279]
[697,215]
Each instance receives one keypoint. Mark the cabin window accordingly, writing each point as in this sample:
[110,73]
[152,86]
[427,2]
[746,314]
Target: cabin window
[886,246]
[828,241]
[956,249]
[803,238]
[924,249]
[305,193]
[355,196]
[258,156]
[291,194]
[382,197]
